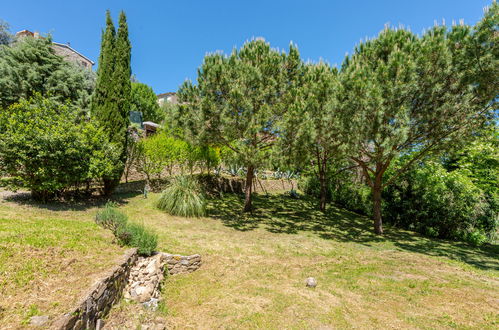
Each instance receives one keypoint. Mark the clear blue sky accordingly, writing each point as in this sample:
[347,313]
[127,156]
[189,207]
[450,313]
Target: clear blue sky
[170,38]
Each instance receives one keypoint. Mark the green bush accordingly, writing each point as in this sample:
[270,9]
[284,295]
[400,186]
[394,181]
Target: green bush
[115,221]
[183,197]
[50,147]
[441,204]
[352,196]
[428,199]
[143,239]
[127,234]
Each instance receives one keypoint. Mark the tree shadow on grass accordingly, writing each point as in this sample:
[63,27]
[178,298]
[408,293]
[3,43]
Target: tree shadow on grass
[79,203]
[283,214]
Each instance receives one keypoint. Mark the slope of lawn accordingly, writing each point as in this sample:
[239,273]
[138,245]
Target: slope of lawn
[255,266]
[49,256]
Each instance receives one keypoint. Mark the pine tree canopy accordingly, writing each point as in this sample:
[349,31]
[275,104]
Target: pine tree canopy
[409,94]
[240,100]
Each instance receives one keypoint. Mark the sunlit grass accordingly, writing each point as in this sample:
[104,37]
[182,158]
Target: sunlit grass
[48,258]
[255,265]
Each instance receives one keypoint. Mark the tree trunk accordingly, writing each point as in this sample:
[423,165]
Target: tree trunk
[323,192]
[322,172]
[109,185]
[248,188]
[376,188]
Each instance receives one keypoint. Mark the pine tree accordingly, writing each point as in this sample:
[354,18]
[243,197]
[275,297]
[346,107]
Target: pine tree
[239,101]
[29,66]
[313,127]
[111,101]
[410,95]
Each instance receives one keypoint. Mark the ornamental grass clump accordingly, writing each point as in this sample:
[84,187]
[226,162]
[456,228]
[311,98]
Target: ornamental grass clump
[183,197]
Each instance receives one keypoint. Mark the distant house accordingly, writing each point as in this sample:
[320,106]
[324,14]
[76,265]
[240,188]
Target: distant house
[169,97]
[64,50]
[150,128]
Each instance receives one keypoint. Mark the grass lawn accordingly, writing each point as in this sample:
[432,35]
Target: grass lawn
[49,256]
[254,268]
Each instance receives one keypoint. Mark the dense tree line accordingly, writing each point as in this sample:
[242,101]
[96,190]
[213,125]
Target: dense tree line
[404,130]
[398,95]
[60,126]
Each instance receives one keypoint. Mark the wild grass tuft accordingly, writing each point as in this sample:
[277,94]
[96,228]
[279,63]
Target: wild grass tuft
[183,197]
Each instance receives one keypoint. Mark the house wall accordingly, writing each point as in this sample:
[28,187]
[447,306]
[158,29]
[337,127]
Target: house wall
[71,56]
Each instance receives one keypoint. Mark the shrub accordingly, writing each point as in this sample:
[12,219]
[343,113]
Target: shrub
[143,239]
[49,147]
[115,221]
[183,197]
[353,196]
[441,204]
[158,152]
[127,234]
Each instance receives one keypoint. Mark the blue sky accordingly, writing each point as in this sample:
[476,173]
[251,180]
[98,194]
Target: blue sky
[170,38]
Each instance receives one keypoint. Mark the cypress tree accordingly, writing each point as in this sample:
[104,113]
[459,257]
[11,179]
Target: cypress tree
[101,106]
[111,101]
[121,82]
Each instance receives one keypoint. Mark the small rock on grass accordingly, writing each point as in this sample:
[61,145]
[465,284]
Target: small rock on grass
[38,320]
[311,282]
[151,304]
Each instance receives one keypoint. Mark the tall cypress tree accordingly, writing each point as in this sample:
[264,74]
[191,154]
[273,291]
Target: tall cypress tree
[111,101]
[122,84]
[101,102]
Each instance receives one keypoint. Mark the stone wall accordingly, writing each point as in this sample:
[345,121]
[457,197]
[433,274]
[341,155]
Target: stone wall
[146,276]
[71,55]
[178,264]
[100,298]
[137,277]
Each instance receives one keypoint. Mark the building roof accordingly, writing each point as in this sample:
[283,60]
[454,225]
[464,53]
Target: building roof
[165,94]
[73,50]
[150,123]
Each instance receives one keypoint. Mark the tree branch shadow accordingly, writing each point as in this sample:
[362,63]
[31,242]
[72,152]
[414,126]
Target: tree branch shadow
[70,203]
[286,215]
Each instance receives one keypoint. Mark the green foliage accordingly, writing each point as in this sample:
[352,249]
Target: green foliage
[479,159]
[5,36]
[204,157]
[183,197]
[239,100]
[111,101]
[50,147]
[163,151]
[411,94]
[158,152]
[343,191]
[122,88]
[115,221]
[143,239]
[313,128]
[144,99]
[439,203]
[29,66]
[128,234]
